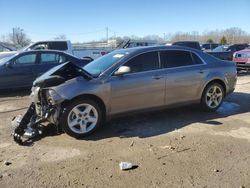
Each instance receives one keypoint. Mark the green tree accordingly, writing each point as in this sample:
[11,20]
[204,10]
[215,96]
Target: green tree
[223,40]
[210,41]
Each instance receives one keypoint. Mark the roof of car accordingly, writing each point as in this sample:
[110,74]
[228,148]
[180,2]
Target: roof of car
[160,47]
[44,51]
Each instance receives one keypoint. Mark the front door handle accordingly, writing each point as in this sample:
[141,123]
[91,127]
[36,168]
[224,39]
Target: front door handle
[157,77]
[201,71]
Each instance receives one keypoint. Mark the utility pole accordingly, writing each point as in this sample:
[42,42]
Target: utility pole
[107,34]
[164,37]
[13,35]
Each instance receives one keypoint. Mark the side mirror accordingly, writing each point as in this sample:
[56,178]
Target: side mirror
[8,65]
[122,70]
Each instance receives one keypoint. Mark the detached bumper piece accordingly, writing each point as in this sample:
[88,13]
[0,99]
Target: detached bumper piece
[26,126]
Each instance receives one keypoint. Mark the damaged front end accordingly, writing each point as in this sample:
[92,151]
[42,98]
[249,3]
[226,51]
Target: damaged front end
[45,107]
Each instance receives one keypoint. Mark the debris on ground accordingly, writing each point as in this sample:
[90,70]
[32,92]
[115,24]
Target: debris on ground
[182,136]
[216,170]
[162,156]
[7,163]
[131,144]
[127,166]
[185,149]
[168,147]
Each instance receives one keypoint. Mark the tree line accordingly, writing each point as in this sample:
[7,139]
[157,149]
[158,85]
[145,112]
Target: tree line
[227,36]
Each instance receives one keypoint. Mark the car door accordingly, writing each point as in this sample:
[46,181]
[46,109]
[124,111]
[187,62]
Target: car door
[19,72]
[143,87]
[48,60]
[185,75]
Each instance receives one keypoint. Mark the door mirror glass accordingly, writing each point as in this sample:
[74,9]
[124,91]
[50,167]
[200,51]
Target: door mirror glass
[122,70]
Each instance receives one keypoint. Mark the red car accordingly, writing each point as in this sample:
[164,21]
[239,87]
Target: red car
[242,59]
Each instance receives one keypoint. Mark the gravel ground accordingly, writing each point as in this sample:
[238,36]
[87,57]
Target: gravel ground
[182,147]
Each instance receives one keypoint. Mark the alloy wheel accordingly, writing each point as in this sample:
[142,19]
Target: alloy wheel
[214,96]
[82,118]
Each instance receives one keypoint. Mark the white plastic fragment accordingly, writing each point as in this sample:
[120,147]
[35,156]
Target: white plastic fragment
[125,165]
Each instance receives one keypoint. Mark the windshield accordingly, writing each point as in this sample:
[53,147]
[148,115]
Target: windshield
[219,49]
[25,48]
[99,65]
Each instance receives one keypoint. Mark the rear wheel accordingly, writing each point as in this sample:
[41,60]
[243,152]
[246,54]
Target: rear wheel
[81,118]
[212,97]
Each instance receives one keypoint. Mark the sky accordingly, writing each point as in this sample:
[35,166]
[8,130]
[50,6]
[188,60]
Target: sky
[86,20]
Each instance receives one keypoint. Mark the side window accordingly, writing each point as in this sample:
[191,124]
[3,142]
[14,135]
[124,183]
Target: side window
[231,49]
[144,62]
[174,58]
[52,58]
[58,46]
[196,59]
[26,59]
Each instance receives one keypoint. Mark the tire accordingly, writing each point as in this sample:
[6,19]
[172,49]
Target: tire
[81,117]
[212,97]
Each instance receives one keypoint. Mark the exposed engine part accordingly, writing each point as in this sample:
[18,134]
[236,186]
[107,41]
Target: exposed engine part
[46,103]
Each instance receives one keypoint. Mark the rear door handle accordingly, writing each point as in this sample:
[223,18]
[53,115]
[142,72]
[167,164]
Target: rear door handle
[157,77]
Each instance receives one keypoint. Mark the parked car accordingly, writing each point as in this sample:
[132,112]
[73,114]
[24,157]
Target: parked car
[228,54]
[190,44]
[208,47]
[65,46]
[6,50]
[22,69]
[221,48]
[242,59]
[6,47]
[128,80]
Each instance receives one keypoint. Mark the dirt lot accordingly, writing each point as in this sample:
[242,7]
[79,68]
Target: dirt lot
[181,147]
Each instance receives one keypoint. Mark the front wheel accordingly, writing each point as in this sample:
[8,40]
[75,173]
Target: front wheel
[81,118]
[212,97]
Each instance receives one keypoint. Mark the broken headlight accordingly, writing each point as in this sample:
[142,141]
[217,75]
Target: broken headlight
[53,97]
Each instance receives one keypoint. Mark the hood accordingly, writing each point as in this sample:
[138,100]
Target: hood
[7,54]
[246,50]
[65,71]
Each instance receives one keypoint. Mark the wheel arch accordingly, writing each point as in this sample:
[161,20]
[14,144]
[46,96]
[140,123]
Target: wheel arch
[89,96]
[216,80]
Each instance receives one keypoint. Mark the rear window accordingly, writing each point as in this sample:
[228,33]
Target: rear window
[194,45]
[58,46]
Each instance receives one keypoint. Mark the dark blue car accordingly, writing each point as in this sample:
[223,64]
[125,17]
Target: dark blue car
[20,70]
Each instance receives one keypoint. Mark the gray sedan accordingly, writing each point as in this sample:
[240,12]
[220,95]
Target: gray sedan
[80,99]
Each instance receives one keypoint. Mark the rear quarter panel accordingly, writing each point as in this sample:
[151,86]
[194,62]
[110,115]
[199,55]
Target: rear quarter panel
[224,71]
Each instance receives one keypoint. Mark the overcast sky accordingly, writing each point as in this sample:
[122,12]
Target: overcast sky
[84,20]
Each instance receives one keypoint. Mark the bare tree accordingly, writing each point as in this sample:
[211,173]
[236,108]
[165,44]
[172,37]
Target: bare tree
[18,37]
